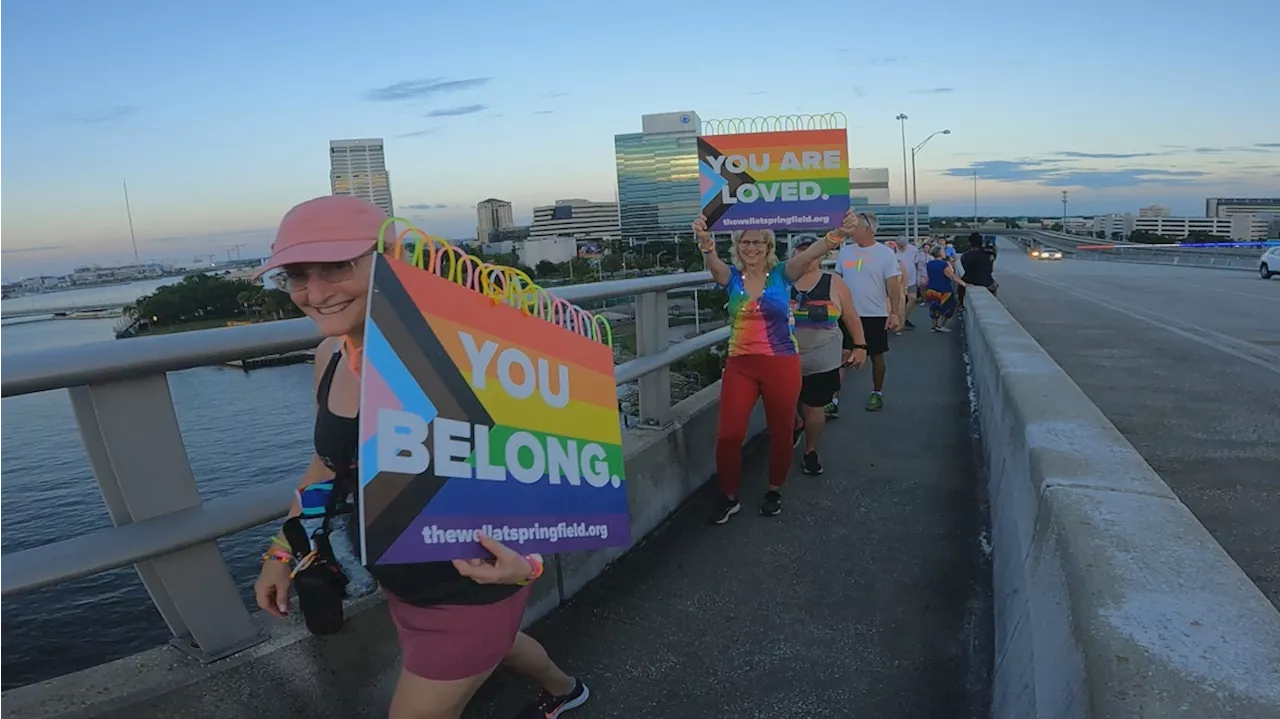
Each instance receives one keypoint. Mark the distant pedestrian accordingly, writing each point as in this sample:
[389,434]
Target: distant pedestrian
[764,360]
[939,279]
[978,267]
[908,255]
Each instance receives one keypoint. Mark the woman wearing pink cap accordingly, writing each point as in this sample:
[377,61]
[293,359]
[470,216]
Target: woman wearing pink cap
[456,621]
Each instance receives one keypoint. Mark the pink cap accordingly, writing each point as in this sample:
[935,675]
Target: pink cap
[333,228]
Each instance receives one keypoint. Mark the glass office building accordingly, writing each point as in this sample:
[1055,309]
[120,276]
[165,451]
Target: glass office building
[658,194]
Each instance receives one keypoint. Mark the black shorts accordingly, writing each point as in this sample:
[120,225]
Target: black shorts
[817,390]
[877,335]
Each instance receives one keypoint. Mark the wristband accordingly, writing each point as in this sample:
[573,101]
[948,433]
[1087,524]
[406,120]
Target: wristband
[859,347]
[535,561]
[833,243]
[277,555]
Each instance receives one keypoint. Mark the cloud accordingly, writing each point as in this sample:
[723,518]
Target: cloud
[935,91]
[1106,155]
[1268,145]
[260,234]
[31,250]
[1053,173]
[758,92]
[1208,150]
[859,91]
[892,60]
[416,89]
[553,95]
[105,117]
[460,110]
[426,206]
[419,133]
[544,112]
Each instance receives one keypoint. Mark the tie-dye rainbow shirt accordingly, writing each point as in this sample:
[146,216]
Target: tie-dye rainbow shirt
[761,326]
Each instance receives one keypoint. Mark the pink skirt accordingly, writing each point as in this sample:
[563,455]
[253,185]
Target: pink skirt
[456,641]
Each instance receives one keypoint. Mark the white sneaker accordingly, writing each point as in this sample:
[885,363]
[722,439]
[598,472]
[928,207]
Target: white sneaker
[943,329]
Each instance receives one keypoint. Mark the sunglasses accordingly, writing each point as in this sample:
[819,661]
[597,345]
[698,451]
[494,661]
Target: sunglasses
[295,278]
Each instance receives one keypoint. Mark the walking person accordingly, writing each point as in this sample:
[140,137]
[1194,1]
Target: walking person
[874,277]
[923,255]
[764,361]
[456,621]
[940,279]
[821,304]
[978,268]
[907,255]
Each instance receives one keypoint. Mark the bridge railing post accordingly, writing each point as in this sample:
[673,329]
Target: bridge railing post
[652,335]
[135,447]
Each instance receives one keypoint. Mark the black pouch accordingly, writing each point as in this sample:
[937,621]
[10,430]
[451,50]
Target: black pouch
[321,585]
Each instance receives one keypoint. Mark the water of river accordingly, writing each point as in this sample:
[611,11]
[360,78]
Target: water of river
[241,429]
[119,295]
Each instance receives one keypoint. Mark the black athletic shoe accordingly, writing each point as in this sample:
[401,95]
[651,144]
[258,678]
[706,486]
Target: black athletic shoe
[550,707]
[797,434]
[724,509]
[772,504]
[810,463]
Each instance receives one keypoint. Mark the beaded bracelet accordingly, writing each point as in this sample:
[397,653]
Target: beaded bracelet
[535,561]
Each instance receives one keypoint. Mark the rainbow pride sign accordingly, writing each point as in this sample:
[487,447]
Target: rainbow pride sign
[782,181]
[476,416]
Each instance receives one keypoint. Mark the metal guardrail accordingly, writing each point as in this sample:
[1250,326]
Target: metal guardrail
[120,396]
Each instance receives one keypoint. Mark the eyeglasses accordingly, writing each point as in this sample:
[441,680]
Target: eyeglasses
[294,278]
[753,243]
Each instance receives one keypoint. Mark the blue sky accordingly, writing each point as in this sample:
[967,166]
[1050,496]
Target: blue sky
[219,114]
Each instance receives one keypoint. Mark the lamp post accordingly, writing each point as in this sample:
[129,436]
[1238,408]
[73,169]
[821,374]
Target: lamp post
[902,120]
[915,190]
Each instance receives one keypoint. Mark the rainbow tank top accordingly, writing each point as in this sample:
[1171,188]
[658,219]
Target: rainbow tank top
[761,326]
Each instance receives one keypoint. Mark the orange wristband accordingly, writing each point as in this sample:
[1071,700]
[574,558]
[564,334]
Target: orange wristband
[535,561]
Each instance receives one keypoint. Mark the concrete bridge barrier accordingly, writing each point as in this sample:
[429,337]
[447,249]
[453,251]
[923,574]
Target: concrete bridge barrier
[353,673]
[1111,599]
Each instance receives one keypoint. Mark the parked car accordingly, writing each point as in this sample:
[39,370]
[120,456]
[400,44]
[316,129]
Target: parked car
[1269,263]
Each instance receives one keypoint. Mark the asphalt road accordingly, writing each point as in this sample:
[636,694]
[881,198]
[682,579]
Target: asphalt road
[1186,363]
[869,596]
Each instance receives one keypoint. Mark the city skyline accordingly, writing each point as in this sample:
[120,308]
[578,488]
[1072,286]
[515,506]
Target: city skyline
[128,93]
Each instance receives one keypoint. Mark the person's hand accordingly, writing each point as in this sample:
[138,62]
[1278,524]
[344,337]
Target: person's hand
[506,567]
[858,358]
[705,242]
[272,588]
[891,323]
[845,230]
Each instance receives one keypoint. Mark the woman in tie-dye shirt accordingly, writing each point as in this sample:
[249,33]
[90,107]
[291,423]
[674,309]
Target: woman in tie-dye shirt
[763,358]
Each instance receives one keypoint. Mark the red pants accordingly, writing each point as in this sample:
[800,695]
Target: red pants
[746,379]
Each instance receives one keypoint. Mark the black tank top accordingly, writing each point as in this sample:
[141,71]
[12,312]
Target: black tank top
[337,441]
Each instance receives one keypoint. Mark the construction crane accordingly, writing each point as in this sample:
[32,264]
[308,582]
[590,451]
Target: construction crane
[237,249]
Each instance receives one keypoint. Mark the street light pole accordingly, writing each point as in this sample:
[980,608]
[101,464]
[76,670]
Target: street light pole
[902,120]
[915,190]
[975,199]
[1064,211]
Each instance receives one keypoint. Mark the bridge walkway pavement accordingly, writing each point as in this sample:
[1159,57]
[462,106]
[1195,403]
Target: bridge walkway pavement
[869,596]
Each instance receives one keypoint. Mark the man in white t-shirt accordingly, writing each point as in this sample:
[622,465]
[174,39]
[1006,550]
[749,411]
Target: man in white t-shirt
[907,254]
[874,276]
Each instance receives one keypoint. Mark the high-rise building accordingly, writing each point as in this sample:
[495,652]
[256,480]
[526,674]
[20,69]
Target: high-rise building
[1228,206]
[1154,211]
[579,219]
[492,214]
[359,168]
[658,187]
[869,185]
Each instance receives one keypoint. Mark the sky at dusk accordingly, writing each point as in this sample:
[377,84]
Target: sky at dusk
[219,114]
